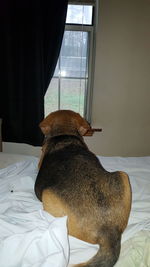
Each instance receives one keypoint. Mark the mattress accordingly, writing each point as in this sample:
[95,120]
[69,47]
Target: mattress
[29,236]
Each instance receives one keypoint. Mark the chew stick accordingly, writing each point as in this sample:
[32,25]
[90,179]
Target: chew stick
[92,130]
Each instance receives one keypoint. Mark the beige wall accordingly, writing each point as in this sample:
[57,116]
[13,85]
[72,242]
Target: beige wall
[121,98]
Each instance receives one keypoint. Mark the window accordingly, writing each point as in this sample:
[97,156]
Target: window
[71,85]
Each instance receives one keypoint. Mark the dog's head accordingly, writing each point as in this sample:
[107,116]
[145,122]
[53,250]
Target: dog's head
[63,122]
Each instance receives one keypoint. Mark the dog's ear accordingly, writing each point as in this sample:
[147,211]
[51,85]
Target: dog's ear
[83,130]
[83,126]
[45,129]
[45,125]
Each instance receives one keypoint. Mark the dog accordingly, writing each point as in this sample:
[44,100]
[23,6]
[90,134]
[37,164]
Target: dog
[72,182]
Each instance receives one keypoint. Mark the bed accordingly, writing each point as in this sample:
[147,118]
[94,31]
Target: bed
[31,237]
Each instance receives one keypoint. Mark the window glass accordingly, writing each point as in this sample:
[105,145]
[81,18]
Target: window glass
[73,57]
[70,87]
[72,95]
[79,14]
[51,99]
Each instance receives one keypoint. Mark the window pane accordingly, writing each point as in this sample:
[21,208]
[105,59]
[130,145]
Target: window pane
[69,84]
[51,97]
[73,57]
[79,14]
[72,94]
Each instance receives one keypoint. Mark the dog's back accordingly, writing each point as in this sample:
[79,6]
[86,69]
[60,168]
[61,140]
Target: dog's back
[72,182]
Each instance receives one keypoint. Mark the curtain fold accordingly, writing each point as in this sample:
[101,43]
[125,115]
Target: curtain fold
[31,34]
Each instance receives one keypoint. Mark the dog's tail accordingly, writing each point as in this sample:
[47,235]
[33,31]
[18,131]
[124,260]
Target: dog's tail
[108,252]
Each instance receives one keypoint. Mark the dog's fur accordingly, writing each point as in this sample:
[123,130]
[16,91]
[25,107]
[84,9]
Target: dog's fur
[71,181]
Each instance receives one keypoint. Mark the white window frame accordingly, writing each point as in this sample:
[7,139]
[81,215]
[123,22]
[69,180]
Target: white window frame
[91,30]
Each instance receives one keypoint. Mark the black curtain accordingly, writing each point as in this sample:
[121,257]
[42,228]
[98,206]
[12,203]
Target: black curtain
[31,33]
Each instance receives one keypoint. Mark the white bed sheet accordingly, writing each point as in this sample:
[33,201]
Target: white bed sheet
[31,237]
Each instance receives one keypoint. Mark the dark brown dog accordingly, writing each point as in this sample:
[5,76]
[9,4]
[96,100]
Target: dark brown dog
[71,181]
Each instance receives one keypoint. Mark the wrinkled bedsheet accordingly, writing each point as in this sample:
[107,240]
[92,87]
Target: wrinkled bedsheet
[29,236]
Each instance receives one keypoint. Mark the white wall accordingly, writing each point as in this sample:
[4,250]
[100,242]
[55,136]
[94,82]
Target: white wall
[121,98]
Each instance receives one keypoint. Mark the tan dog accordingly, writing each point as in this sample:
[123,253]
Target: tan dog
[71,181]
